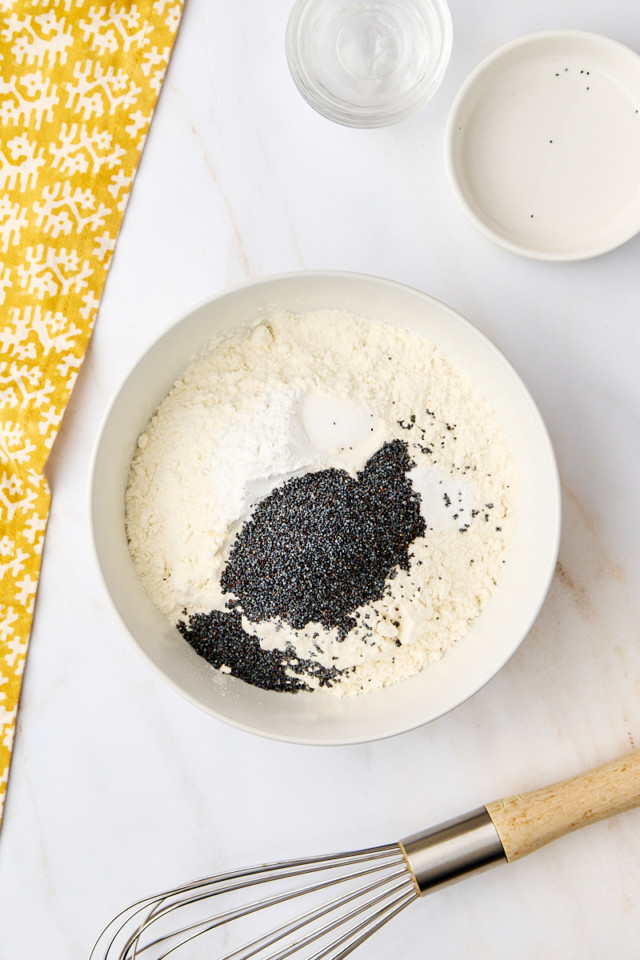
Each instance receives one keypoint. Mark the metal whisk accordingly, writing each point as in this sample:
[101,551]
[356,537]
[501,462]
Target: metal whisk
[350,896]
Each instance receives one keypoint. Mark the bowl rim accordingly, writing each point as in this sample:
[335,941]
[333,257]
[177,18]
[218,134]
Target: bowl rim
[400,726]
[466,90]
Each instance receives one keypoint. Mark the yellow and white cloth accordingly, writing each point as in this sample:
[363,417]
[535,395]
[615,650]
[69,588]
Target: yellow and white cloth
[79,80]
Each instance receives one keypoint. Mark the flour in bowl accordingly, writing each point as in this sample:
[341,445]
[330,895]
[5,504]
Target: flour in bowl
[321,500]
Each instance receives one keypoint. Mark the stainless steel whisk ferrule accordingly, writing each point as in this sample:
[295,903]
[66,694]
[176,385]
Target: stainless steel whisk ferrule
[447,853]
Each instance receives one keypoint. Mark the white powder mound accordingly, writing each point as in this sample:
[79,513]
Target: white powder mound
[302,393]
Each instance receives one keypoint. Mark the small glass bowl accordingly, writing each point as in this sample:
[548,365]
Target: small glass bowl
[368,63]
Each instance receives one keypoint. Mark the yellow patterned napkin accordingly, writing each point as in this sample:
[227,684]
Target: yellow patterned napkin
[79,80]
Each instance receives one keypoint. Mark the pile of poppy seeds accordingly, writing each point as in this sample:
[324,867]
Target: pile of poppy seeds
[315,550]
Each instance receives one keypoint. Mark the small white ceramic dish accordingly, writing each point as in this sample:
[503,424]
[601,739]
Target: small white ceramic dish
[543,145]
[319,717]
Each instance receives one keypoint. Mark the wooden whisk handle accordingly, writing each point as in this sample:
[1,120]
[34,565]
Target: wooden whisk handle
[527,821]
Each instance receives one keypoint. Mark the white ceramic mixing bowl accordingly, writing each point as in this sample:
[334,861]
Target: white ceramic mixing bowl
[320,717]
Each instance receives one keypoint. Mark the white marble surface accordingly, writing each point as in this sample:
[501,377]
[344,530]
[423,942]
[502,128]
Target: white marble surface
[118,786]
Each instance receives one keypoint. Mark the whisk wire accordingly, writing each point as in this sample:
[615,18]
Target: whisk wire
[389,912]
[345,935]
[255,947]
[150,913]
[268,939]
[171,904]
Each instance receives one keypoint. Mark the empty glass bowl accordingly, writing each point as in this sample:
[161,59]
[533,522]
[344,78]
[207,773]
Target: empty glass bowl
[368,63]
